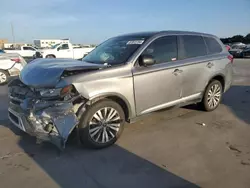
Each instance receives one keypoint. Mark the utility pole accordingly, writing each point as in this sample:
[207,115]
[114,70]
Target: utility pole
[13,35]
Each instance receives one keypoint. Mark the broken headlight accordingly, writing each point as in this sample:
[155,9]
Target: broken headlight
[60,92]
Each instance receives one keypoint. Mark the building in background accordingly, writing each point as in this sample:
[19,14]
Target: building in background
[47,43]
[15,45]
[2,42]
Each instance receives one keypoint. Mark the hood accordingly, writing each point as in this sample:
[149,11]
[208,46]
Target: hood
[46,73]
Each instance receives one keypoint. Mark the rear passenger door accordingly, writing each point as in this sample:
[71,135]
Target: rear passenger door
[196,65]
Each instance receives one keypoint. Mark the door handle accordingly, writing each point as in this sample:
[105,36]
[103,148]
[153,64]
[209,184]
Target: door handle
[177,71]
[210,65]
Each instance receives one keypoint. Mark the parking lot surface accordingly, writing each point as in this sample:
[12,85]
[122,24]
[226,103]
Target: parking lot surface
[181,147]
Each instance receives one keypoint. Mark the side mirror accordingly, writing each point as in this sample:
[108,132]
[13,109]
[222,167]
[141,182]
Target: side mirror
[58,49]
[146,60]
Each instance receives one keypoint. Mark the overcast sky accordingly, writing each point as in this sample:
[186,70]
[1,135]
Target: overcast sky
[92,21]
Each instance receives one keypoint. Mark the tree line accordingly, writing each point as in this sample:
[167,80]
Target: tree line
[237,38]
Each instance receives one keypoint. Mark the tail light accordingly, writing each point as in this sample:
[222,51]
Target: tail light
[231,58]
[17,60]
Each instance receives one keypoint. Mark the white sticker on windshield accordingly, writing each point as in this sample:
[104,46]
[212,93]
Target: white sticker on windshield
[135,42]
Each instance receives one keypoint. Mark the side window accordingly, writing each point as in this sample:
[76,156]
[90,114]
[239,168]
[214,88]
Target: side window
[192,46]
[163,49]
[28,48]
[212,45]
[64,47]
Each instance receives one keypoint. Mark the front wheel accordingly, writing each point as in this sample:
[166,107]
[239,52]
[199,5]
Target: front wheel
[212,96]
[50,56]
[4,77]
[102,124]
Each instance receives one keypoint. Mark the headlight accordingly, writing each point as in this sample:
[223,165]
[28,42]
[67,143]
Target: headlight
[56,92]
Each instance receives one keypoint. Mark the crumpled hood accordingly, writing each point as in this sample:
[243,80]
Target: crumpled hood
[45,73]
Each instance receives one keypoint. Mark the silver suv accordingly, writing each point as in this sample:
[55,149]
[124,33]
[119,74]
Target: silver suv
[124,77]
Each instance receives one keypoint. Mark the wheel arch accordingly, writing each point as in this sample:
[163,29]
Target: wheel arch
[116,98]
[220,78]
[50,55]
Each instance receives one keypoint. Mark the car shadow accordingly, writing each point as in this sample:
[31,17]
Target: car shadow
[79,167]
[111,167]
[237,98]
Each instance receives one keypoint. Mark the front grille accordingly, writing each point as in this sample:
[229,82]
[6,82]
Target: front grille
[18,92]
[14,118]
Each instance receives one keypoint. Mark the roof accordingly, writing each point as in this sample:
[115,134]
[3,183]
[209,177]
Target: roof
[152,33]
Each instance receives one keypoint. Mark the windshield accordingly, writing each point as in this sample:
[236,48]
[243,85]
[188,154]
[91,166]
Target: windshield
[55,46]
[115,50]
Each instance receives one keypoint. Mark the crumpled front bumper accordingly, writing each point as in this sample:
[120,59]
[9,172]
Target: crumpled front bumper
[51,121]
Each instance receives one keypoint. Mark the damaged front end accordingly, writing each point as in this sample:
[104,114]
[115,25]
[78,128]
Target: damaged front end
[45,117]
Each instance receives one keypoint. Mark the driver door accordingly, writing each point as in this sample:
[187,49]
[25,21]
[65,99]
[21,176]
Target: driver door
[64,51]
[158,86]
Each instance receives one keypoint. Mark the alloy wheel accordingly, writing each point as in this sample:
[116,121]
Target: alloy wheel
[214,95]
[104,125]
[3,77]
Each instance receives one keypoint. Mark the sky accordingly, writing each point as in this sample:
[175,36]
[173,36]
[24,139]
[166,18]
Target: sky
[92,21]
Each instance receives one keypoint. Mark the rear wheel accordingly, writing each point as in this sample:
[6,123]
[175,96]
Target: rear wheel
[212,96]
[50,56]
[4,77]
[102,124]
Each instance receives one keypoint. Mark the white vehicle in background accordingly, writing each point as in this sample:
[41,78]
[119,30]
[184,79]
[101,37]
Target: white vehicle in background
[63,50]
[24,51]
[10,65]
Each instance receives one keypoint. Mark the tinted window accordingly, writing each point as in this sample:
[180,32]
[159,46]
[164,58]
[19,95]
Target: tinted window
[28,48]
[192,46]
[212,45]
[163,49]
[64,47]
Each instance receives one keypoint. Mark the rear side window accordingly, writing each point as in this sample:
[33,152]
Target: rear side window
[192,46]
[212,45]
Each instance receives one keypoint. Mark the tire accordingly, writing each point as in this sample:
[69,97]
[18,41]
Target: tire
[92,131]
[50,56]
[208,104]
[4,77]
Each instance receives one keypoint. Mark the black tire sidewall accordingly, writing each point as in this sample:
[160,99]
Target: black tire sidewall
[83,126]
[205,102]
[7,77]
[50,56]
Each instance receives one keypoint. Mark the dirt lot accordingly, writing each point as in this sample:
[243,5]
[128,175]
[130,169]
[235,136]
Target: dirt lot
[164,149]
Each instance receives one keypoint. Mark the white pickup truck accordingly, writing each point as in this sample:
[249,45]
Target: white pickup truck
[63,50]
[24,51]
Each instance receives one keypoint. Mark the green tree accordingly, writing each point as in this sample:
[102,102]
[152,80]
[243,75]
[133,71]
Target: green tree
[247,38]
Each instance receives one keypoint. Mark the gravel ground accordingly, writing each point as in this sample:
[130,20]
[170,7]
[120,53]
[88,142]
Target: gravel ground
[164,149]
